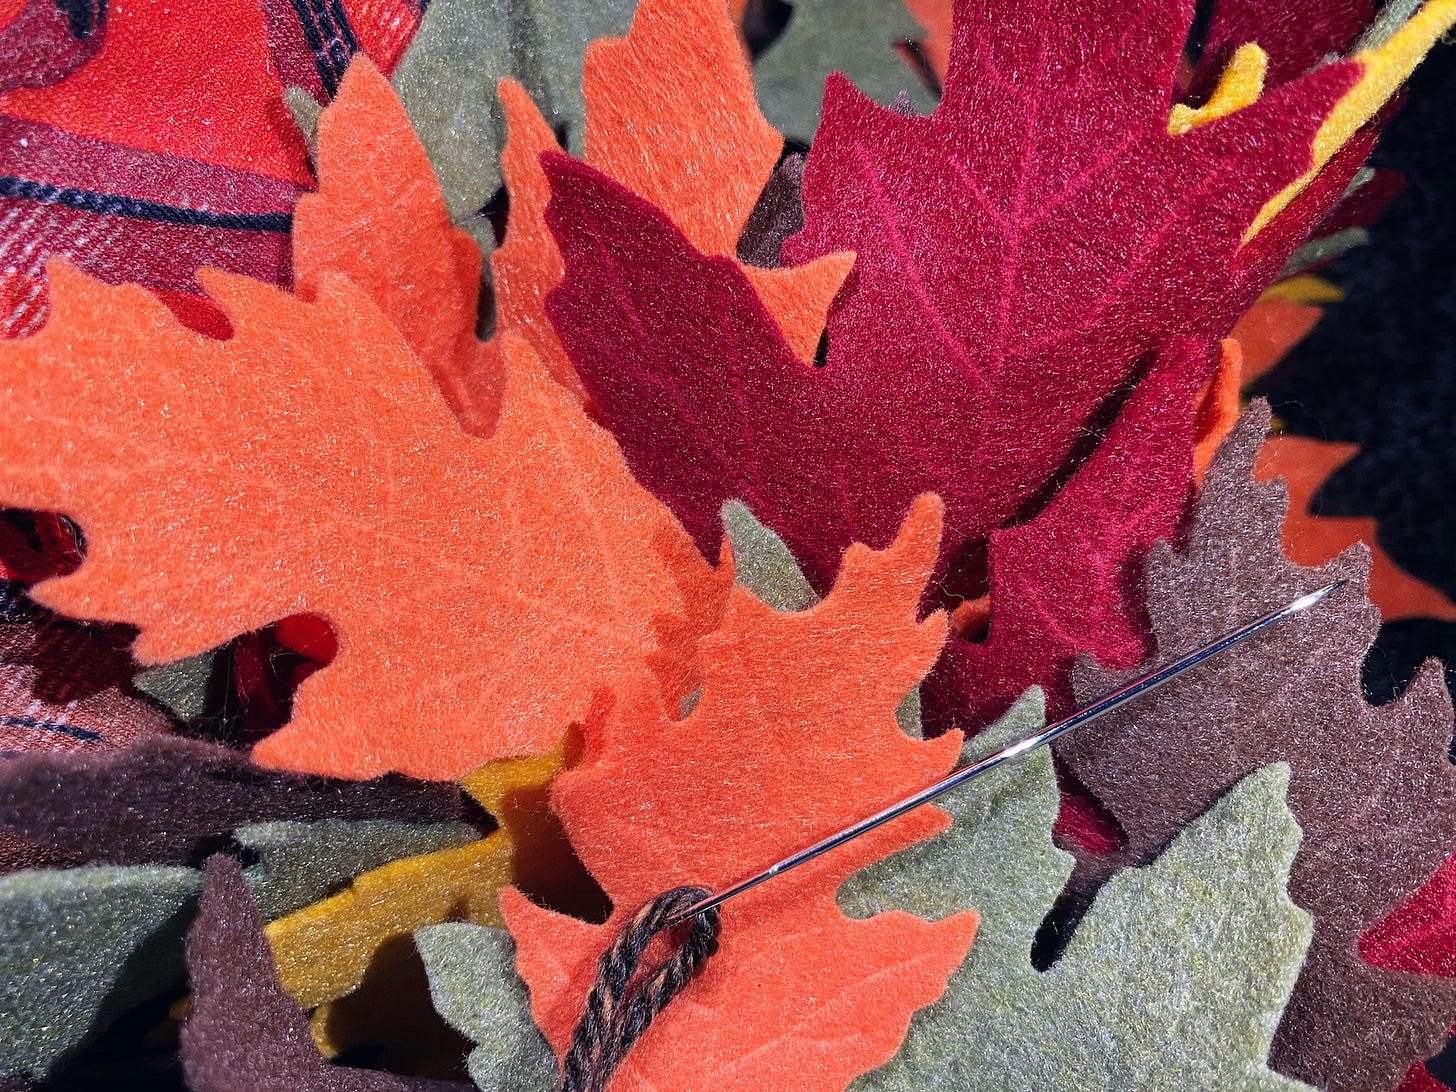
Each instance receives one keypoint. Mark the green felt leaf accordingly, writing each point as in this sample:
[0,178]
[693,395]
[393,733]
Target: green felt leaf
[180,686]
[473,983]
[447,81]
[78,947]
[301,863]
[763,565]
[1175,979]
[856,37]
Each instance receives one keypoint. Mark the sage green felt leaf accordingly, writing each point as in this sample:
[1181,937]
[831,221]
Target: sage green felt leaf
[180,686]
[447,79]
[856,37]
[302,863]
[473,983]
[1175,979]
[763,565]
[80,946]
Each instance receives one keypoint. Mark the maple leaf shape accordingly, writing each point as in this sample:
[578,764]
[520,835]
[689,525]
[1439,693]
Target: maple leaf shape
[337,483]
[999,256]
[702,157]
[1204,943]
[1373,789]
[793,737]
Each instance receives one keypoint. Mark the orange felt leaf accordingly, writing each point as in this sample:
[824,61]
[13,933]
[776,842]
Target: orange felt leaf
[794,736]
[380,219]
[1218,407]
[1306,464]
[481,590]
[935,17]
[1269,329]
[671,114]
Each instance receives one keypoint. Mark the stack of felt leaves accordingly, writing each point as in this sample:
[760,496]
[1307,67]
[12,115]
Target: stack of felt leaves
[479,470]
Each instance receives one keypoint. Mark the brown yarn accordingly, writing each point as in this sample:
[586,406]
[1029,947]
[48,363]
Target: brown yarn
[613,1020]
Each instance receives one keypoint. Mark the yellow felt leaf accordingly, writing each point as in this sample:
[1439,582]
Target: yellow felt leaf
[1240,85]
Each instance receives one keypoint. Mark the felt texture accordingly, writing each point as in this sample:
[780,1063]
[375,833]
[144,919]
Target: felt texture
[915,197]
[1293,35]
[1373,788]
[1239,85]
[365,516]
[1419,935]
[163,799]
[778,214]
[853,37]
[703,160]
[162,149]
[380,218]
[1219,406]
[1268,330]
[1305,464]
[302,863]
[447,80]
[1174,979]
[180,687]
[79,947]
[794,737]
[1065,582]
[474,986]
[937,17]
[326,950]
[245,1034]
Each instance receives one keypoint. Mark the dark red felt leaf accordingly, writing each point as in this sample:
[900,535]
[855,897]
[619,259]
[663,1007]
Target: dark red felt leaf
[1032,236]
[1069,580]
[1294,35]
[1373,788]
[165,799]
[245,1033]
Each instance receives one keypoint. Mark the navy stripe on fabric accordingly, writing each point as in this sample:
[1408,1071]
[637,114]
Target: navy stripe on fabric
[83,734]
[109,204]
[329,37]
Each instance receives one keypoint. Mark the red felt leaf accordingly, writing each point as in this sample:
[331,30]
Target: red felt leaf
[1032,236]
[794,736]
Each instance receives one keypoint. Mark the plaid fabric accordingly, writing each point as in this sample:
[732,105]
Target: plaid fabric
[143,141]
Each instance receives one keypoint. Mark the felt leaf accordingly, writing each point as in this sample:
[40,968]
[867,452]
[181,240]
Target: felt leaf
[793,737]
[645,95]
[936,16]
[474,986]
[1065,582]
[937,381]
[329,949]
[1268,330]
[380,219]
[1203,945]
[1306,464]
[163,799]
[853,37]
[301,863]
[447,80]
[245,1034]
[778,214]
[181,686]
[1373,788]
[80,946]
[1219,407]
[343,510]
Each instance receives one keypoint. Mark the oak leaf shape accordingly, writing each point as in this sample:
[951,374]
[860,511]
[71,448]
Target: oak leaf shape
[1203,945]
[338,483]
[793,737]
[1373,788]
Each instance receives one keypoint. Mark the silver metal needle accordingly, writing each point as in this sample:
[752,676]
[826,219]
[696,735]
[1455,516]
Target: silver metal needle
[1105,704]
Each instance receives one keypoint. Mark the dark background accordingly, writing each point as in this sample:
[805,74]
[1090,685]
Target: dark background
[1380,370]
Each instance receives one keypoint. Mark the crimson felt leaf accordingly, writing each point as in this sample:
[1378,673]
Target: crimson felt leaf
[1373,788]
[1041,236]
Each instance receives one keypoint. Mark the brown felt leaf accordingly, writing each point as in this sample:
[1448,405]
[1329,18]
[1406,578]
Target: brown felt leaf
[1372,788]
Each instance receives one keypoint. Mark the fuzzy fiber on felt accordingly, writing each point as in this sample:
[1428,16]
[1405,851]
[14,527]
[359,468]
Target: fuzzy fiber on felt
[794,736]
[80,946]
[1373,788]
[164,799]
[1203,945]
[339,483]
[473,982]
[245,1034]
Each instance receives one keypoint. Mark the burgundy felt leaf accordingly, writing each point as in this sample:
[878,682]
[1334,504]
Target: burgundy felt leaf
[1020,253]
[1372,788]
[1068,581]
[245,1033]
[165,799]
[1293,35]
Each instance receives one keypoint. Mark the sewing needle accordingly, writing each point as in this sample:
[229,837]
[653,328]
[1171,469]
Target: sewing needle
[1105,704]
